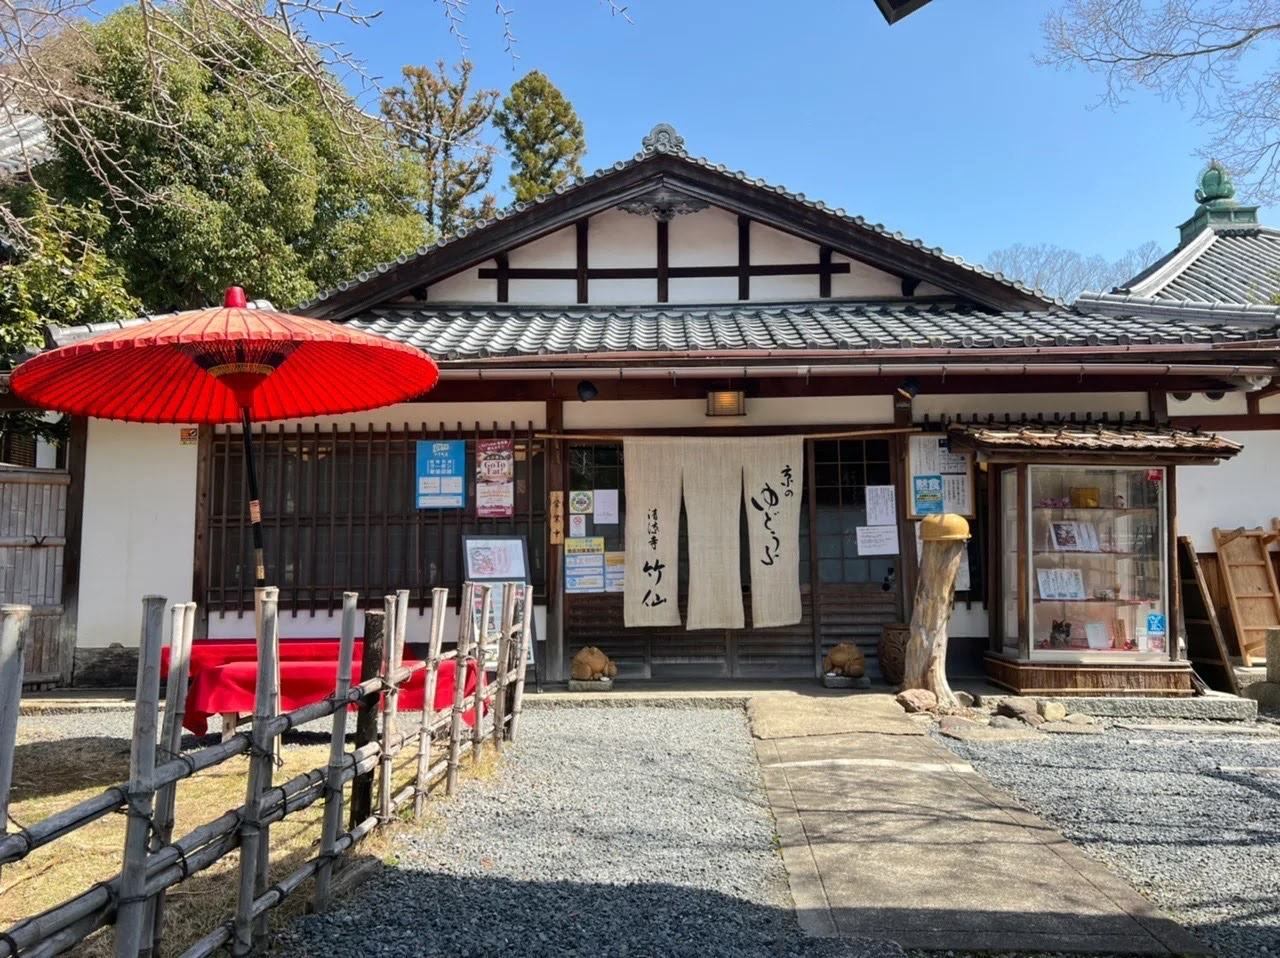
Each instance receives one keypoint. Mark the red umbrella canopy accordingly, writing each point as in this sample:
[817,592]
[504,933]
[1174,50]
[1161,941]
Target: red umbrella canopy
[210,365]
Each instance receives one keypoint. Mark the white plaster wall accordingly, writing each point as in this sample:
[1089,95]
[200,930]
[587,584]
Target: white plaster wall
[558,249]
[702,289]
[622,291]
[692,413]
[706,238]
[1029,404]
[1198,404]
[1238,492]
[139,527]
[1269,404]
[863,280]
[623,239]
[326,625]
[465,287]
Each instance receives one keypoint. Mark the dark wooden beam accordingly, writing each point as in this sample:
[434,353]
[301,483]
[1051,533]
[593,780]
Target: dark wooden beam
[582,276]
[824,272]
[664,257]
[744,258]
[200,567]
[1158,405]
[73,532]
[673,272]
[909,285]
[503,275]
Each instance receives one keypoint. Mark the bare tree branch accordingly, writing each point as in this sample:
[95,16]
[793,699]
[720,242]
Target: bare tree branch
[1065,273]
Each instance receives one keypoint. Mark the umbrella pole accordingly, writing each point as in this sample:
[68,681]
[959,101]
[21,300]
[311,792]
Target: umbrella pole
[255,506]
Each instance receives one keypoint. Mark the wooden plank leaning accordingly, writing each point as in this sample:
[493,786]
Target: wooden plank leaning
[466,623]
[181,633]
[392,657]
[131,906]
[14,620]
[502,678]
[522,662]
[482,644]
[439,609]
[337,746]
[255,836]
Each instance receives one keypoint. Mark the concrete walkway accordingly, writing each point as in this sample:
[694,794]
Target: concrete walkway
[886,834]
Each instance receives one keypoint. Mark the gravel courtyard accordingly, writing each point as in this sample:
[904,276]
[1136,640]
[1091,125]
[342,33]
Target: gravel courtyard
[1191,818]
[614,832]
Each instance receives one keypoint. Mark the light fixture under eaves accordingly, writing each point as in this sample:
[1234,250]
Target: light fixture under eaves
[726,402]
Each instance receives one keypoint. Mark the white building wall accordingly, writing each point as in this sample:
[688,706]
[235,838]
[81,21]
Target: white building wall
[1238,492]
[1030,404]
[139,527]
[692,413]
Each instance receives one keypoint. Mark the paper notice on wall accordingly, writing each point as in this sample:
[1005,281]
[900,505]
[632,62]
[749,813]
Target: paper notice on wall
[615,571]
[577,525]
[877,540]
[605,507]
[955,494]
[882,506]
[584,565]
[495,478]
[580,501]
[940,479]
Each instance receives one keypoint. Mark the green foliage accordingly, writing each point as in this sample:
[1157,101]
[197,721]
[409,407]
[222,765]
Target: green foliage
[225,165]
[441,122]
[543,135]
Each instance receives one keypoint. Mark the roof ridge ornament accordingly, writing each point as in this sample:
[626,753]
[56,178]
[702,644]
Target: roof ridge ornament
[663,138]
[1216,188]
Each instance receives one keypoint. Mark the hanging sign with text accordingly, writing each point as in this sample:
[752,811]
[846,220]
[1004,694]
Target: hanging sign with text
[441,480]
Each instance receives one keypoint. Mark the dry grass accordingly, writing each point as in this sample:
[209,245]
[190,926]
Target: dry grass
[50,776]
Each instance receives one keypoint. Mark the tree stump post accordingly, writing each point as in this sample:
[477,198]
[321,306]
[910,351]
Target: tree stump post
[367,712]
[945,538]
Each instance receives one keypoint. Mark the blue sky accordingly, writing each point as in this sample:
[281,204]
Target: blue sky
[941,126]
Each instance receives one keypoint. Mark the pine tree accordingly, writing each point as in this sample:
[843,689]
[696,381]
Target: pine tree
[440,121]
[543,135]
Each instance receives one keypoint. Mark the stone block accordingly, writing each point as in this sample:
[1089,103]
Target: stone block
[833,680]
[591,685]
[994,733]
[105,668]
[917,700]
[1016,706]
[1071,728]
[1273,656]
[1053,711]
[1266,694]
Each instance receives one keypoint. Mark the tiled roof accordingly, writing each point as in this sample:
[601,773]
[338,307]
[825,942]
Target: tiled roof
[1099,437]
[1229,264]
[663,140]
[24,141]
[458,332]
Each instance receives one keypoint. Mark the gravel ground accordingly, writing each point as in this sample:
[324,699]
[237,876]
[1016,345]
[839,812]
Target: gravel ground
[612,832]
[1190,818]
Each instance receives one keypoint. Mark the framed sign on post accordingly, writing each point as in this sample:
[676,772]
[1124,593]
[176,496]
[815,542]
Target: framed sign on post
[494,561]
[441,474]
[939,479]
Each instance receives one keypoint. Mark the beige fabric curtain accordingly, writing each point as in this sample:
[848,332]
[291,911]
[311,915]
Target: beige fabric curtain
[773,470]
[652,471]
[712,505]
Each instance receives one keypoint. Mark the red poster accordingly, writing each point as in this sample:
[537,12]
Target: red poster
[495,478]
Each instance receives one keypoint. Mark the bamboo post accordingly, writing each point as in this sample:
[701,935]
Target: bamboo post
[392,657]
[522,662]
[503,675]
[181,633]
[337,745]
[944,538]
[255,836]
[439,603]
[466,623]
[131,906]
[367,713]
[482,635]
[13,634]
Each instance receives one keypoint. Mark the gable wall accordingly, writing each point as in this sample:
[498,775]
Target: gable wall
[706,238]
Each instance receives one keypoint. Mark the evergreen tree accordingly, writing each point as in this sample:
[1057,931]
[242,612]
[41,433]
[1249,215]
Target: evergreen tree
[441,122]
[543,136]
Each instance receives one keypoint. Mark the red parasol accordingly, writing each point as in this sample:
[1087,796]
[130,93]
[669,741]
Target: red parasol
[222,365]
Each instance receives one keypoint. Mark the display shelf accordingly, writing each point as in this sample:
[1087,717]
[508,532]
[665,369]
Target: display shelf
[1067,553]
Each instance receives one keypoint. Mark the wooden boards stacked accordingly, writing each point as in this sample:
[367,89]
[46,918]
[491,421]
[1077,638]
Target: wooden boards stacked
[1250,584]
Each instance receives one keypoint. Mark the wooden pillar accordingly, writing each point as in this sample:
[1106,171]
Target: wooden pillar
[908,561]
[582,257]
[664,259]
[13,635]
[200,567]
[946,538]
[555,460]
[1173,614]
[367,713]
[77,448]
[744,258]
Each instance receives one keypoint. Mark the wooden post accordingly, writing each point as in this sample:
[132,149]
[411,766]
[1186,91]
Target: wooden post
[131,906]
[392,657]
[439,605]
[181,633]
[522,662]
[944,539]
[13,634]
[367,714]
[255,837]
[337,746]
[466,622]
[503,677]
[482,641]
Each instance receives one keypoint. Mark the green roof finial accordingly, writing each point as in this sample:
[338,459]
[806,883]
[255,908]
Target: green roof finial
[1216,189]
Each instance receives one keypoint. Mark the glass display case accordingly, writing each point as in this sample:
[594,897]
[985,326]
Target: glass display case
[1091,574]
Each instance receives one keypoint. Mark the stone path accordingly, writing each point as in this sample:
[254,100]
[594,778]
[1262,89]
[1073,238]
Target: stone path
[886,834]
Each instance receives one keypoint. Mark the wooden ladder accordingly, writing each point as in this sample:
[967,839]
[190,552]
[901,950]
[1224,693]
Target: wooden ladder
[1250,581]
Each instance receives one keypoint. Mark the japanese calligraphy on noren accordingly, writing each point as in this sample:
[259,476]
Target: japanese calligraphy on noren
[652,478]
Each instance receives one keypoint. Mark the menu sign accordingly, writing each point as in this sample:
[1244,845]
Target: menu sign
[940,479]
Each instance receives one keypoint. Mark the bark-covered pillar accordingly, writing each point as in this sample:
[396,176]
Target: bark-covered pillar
[944,543]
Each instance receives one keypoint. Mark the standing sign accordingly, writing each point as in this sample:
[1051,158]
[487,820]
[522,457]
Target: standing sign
[442,474]
[495,478]
[584,564]
[940,480]
[495,561]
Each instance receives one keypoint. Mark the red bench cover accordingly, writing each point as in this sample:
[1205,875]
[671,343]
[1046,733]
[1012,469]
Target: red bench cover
[211,653]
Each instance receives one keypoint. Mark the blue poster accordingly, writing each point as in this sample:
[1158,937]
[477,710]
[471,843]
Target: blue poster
[926,493]
[1155,624]
[442,474]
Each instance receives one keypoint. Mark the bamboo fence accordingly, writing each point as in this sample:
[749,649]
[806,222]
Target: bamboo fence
[153,862]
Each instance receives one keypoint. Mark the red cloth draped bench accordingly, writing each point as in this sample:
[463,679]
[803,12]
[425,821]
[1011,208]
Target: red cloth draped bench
[224,677]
